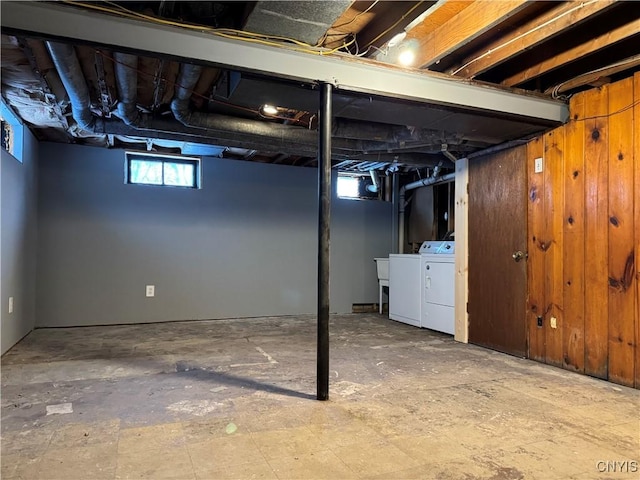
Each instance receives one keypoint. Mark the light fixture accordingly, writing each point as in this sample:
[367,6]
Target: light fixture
[269,109]
[407,52]
[396,39]
[406,57]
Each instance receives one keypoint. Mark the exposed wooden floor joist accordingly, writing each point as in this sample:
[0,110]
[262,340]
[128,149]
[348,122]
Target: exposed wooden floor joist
[530,35]
[473,21]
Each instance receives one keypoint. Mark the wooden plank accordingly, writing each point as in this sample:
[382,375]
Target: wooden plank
[469,24]
[391,18]
[573,239]
[554,210]
[462,250]
[439,14]
[565,16]
[617,34]
[596,238]
[636,204]
[535,247]
[621,234]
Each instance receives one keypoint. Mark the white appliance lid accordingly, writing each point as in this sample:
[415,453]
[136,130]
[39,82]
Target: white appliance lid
[438,247]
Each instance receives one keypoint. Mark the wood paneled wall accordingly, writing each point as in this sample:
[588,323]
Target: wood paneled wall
[584,237]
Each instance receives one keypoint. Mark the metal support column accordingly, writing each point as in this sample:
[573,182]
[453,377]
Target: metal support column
[324,220]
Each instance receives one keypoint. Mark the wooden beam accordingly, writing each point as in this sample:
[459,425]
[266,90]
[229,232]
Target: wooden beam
[392,20]
[52,21]
[535,32]
[461,218]
[473,21]
[439,14]
[621,33]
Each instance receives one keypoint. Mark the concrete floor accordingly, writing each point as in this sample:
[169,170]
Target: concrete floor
[235,399]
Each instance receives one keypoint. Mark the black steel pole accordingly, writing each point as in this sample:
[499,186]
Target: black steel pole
[324,219]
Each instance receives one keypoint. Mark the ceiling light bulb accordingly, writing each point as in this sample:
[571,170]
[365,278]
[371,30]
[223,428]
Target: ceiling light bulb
[269,110]
[406,57]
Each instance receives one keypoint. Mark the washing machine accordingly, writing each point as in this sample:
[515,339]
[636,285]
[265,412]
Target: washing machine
[437,267]
[405,285]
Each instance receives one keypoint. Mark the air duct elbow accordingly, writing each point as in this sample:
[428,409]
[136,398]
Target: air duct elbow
[70,73]
[126,67]
[187,80]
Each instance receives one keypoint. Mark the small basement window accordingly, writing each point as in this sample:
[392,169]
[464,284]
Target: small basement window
[162,170]
[356,187]
[348,187]
[7,135]
[11,132]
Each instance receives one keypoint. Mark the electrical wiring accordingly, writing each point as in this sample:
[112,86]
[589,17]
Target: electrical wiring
[275,44]
[357,16]
[556,90]
[270,40]
[522,35]
[336,27]
[396,23]
[607,115]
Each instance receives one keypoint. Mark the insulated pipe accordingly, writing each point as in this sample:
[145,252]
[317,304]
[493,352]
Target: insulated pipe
[285,134]
[378,132]
[126,68]
[375,179]
[408,158]
[395,195]
[401,200]
[324,220]
[186,82]
[68,67]
[201,126]
[210,127]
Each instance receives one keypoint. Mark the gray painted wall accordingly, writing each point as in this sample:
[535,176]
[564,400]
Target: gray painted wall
[244,245]
[18,242]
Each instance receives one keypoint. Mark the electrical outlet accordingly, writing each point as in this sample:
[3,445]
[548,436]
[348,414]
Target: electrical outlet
[151,290]
[554,322]
[10,304]
[540,321]
[538,165]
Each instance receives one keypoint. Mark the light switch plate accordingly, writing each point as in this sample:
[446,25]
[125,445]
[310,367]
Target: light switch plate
[151,291]
[10,304]
[538,165]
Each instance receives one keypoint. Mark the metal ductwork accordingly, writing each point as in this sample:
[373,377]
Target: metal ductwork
[374,137]
[66,62]
[409,158]
[186,82]
[126,68]
[374,132]
[205,127]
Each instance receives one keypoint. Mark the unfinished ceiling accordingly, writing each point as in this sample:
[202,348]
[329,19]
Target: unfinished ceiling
[117,94]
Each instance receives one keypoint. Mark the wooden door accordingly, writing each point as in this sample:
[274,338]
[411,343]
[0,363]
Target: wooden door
[497,230]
